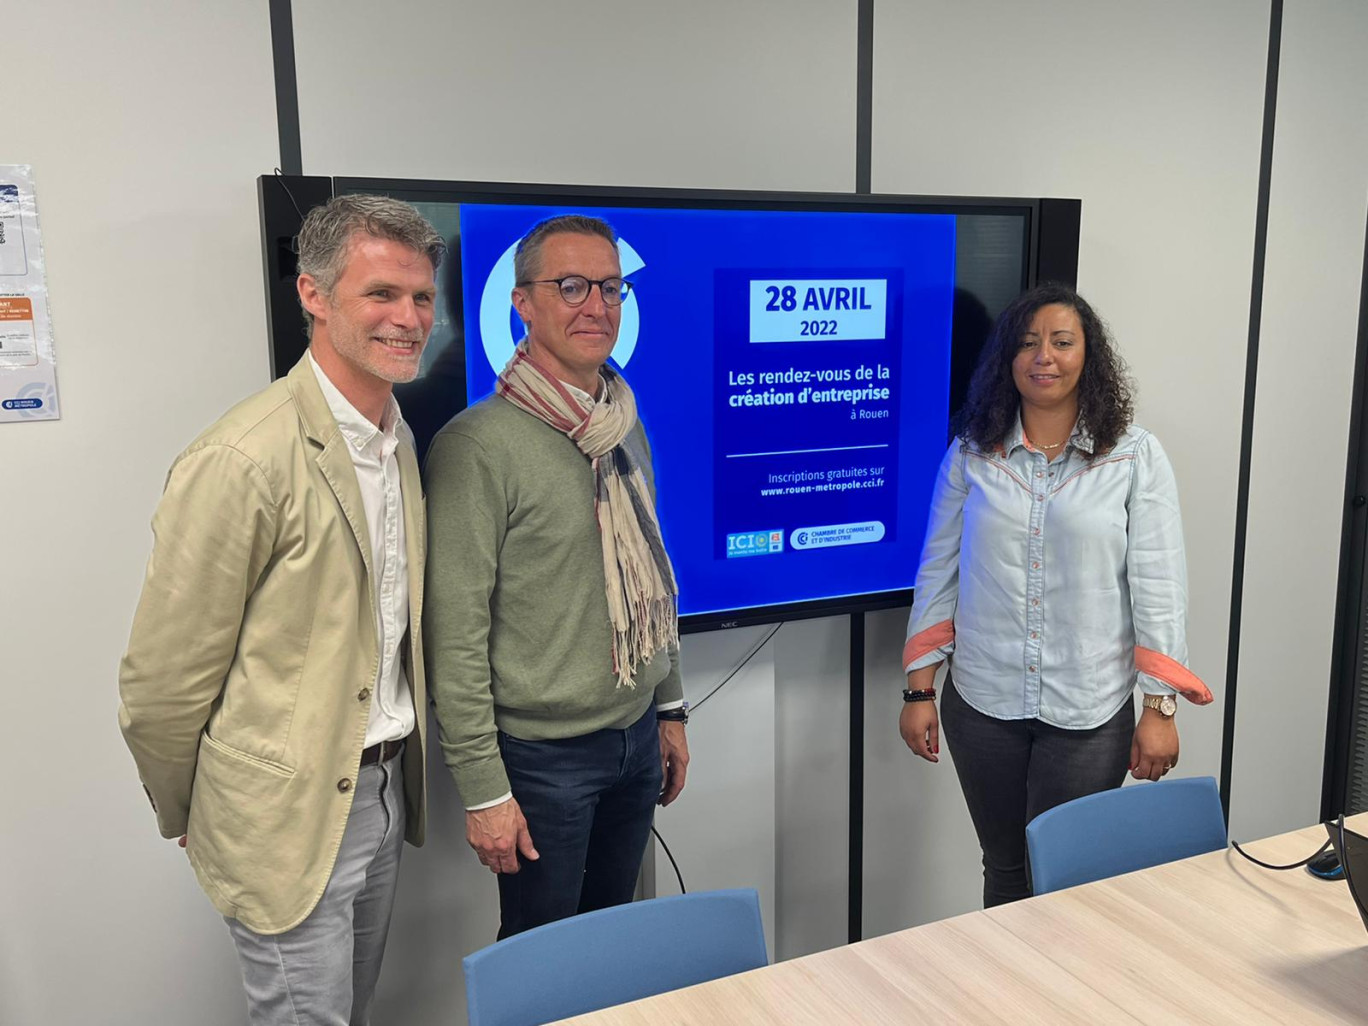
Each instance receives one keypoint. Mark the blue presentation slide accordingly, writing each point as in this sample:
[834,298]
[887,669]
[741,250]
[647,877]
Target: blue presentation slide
[792,373]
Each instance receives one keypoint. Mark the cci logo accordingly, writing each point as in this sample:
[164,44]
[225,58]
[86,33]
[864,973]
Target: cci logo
[754,543]
[497,317]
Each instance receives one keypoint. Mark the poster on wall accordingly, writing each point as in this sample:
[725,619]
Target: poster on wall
[28,358]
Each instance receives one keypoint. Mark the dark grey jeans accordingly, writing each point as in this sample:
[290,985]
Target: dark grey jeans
[1013,770]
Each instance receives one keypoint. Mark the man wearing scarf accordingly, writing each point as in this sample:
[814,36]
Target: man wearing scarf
[553,644]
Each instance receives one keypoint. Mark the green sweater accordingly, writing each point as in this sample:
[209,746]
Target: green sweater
[515,617]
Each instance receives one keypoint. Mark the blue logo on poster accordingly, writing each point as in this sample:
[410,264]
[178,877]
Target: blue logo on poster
[496,308]
[22,404]
[754,543]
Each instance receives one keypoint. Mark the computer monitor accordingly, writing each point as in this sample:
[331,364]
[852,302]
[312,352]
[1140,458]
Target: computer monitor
[1352,849]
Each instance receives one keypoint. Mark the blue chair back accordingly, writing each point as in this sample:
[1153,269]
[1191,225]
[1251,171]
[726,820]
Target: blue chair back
[1120,831]
[614,955]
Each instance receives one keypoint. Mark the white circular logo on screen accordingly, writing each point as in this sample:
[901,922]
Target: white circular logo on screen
[497,316]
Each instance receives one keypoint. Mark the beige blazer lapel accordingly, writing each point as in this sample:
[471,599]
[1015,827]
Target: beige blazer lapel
[335,460]
[336,463]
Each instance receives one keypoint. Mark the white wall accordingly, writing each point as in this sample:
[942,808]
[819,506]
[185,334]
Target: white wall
[1317,210]
[724,834]
[146,126]
[706,94]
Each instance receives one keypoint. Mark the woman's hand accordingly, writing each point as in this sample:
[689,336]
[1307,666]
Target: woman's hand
[1154,747]
[919,726]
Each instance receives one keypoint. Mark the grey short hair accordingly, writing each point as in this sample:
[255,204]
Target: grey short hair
[527,257]
[324,238]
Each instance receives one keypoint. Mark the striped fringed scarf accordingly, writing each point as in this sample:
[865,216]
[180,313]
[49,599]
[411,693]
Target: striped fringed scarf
[639,579]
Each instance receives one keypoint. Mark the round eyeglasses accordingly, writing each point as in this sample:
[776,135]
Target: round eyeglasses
[574,288]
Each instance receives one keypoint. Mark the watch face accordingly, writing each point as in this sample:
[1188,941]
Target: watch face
[1167,705]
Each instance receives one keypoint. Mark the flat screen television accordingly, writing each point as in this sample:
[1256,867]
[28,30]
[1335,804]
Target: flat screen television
[796,360]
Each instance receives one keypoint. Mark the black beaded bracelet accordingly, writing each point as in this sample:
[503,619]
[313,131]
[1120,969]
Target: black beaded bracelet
[924,695]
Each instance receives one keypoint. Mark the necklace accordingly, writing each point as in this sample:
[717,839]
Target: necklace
[1047,448]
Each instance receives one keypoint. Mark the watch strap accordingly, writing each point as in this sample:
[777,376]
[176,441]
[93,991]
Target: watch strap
[679,714]
[1157,703]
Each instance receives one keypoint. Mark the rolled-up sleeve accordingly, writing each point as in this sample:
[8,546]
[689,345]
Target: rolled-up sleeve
[931,627]
[1156,569]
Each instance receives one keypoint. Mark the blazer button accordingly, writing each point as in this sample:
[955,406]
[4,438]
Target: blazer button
[363,695]
[344,785]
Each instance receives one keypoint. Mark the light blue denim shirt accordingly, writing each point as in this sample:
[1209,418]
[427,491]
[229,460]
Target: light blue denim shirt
[1055,588]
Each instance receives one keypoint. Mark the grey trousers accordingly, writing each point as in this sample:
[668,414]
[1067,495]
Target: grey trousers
[323,972]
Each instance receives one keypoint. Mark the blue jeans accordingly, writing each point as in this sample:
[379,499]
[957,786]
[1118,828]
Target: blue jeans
[589,802]
[1013,770]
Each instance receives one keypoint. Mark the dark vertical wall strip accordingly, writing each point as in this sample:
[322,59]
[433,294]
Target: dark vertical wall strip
[1251,378]
[855,839]
[864,128]
[1346,653]
[864,96]
[286,87]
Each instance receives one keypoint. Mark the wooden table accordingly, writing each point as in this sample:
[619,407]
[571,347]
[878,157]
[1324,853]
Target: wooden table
[1211,939]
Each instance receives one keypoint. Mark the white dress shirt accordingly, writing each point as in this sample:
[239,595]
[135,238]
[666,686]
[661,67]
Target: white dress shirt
[377,473]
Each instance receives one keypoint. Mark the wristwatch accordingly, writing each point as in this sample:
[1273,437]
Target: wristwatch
[679,714]
[1164,705]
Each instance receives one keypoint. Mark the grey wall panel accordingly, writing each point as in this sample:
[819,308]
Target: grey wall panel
[812,714]
[723,829]
[707,94]
[1318,206]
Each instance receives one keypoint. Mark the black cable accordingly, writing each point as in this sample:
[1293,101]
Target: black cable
[737,668]
[280,177]
[678,875]
[1267,865]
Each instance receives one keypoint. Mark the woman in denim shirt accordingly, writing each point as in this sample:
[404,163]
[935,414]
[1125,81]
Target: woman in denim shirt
[1053,579]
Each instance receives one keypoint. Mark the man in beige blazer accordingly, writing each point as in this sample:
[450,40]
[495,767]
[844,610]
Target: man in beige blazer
[273,692]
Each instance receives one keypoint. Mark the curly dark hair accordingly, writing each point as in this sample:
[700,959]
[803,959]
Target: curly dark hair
[1106,400]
